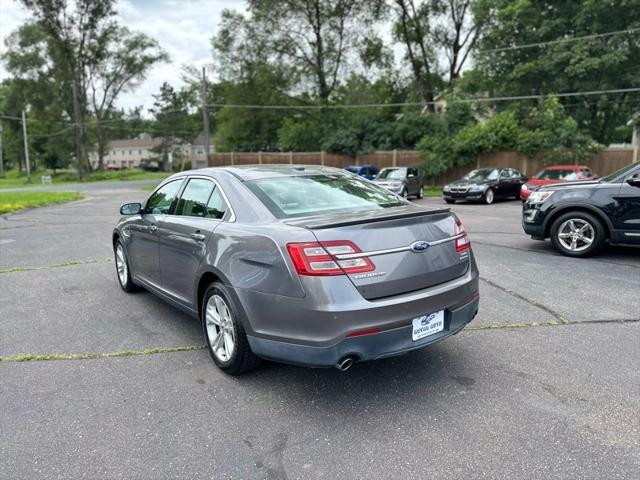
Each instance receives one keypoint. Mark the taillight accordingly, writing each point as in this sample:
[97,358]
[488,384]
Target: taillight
[463,243]
[318,258]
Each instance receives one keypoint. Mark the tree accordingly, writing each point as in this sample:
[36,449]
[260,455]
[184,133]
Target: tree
[172,122]
[604,63]
[315,39]
[77,40]
[130,57]
[414,29]
[457,34]
[242,53]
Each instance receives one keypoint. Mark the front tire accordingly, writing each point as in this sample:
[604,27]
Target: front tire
[122,269]
[489,196]
[578,234]
[226,339]
[449,201]
[404,193]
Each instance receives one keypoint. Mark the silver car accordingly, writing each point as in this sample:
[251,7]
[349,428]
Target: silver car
[305,265]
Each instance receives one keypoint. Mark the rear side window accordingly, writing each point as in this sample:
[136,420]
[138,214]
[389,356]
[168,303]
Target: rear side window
[216,207]
[161,200]
[194,199]
[317,194]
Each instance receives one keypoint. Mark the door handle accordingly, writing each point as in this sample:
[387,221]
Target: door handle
[153,228]
[198,236]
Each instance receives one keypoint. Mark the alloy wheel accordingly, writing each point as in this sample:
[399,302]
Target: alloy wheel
[121,265]
[488,196]
[576,234]
[220,328]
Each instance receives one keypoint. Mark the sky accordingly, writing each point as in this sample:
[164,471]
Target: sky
[182,27]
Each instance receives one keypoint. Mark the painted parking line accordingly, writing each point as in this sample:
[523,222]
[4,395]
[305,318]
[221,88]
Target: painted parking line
[35,357]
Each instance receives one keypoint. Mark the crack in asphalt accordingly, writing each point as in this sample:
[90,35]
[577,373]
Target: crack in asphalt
[35,357]
[530,301]
[552,254]
[57,265]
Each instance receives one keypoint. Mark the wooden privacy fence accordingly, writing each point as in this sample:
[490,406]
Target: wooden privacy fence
[602,163]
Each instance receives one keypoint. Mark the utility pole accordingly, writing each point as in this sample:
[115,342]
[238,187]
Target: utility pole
[205,116]
[26,146]
[1,163]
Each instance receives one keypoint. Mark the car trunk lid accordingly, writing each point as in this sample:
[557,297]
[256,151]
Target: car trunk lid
[386,237]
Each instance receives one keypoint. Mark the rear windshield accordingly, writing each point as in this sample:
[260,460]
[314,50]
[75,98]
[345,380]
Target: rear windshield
[318,194]
[557,174]
[393,173]
[352,169]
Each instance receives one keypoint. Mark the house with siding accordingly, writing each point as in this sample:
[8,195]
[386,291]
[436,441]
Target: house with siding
[131,152]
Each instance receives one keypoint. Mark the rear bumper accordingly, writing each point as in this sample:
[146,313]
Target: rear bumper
[315,330]
[388,343]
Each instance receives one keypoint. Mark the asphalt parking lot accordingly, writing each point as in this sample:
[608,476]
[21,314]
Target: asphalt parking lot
[545,383]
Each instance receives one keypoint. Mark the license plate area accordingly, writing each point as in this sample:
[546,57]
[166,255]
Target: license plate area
[427,325]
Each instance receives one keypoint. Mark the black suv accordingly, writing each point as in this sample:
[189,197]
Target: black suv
[580,217]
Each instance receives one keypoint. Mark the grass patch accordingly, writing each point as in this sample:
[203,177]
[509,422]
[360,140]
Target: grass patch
[432,191]
[16,179]
[14,201]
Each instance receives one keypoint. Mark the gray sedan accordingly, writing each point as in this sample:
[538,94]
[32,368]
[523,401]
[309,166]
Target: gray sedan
[300,264]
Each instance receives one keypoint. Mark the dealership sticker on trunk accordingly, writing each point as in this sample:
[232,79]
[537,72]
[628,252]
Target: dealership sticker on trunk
[427,325]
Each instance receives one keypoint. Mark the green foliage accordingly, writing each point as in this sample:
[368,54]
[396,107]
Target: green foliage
[604,63]
[542,129]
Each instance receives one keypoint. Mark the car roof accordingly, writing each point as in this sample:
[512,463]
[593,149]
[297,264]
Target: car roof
[256,172]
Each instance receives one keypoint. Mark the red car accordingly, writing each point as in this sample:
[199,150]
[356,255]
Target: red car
[556,174]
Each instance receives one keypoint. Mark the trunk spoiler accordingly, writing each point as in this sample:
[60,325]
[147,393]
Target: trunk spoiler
[355,218]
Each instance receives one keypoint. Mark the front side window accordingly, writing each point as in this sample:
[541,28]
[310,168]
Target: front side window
[319,194]
[160,202]
[194,199]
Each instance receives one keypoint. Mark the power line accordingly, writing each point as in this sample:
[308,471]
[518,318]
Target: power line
[561,40]
[409,104]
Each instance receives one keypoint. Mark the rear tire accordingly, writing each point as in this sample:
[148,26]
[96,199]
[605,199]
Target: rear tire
[223,331]
[420,193]
[123,270]
[578,234]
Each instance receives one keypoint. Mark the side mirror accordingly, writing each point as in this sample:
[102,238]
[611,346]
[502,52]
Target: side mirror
[411,175]
[634,181]
[131,209]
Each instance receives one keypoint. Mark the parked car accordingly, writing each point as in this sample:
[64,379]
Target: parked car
[581,217]
[485,185]
[305,265]
[403,181]
[367,171]
[556,174]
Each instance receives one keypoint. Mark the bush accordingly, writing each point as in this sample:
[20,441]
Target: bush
[545,128]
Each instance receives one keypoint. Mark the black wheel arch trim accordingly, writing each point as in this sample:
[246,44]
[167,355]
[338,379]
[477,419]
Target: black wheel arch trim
[565,207]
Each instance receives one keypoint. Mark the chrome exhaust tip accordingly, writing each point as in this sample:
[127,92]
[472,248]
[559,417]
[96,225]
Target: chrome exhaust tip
[344,364]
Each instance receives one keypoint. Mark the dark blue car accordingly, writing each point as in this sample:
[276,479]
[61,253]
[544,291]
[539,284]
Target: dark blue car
[367,171]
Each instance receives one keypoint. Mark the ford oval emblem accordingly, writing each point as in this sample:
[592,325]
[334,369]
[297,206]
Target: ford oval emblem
[420,246]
